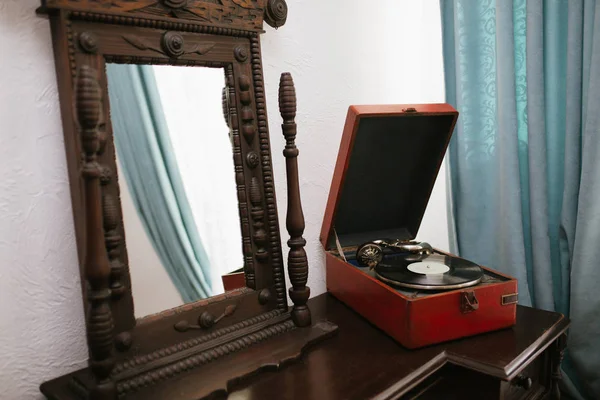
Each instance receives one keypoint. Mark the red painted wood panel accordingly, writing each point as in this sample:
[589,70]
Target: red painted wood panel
[233,281]
[418,322]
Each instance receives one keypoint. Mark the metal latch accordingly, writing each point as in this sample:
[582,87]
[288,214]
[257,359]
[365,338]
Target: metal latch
[468,302]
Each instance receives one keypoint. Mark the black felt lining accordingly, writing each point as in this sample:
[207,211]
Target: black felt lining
[393,165]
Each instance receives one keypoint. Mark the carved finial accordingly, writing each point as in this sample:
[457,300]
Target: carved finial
[287,109]
[287,97]
[297,260]
[276,13]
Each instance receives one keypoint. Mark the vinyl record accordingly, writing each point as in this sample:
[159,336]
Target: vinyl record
[429,272]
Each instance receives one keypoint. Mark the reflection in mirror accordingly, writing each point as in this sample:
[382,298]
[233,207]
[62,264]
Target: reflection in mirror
[178,193]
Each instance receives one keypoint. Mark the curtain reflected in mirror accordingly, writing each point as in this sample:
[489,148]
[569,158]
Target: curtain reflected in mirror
[178,193]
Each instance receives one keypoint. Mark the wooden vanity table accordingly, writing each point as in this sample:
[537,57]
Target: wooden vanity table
[361,362]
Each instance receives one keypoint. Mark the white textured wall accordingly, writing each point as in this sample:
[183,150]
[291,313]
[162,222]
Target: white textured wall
[41,314]
[343,52]
[340,52]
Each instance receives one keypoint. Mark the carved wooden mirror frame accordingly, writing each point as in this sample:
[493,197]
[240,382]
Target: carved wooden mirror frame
[138,358]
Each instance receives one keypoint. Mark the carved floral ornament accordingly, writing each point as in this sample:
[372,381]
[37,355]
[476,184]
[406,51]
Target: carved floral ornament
[253,159]
[172,45]
[245,15]
[175,3]
[241,54]
[88,42]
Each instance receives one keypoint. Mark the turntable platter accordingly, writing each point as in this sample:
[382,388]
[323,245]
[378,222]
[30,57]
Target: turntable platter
[429,272]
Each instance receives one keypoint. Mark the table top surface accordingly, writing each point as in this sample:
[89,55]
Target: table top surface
[361,361]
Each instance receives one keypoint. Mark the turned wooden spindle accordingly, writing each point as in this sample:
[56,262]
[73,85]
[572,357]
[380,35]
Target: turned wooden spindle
[96,264]
[297,261]
[112,239]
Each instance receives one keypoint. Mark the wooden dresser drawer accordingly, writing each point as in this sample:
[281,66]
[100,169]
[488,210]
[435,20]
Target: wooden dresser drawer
[454,382]
[534,382]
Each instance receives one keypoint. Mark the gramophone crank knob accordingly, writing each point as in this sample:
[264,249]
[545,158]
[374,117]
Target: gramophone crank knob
[370,254]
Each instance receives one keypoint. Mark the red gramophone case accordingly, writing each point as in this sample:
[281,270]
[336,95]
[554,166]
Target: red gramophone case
[389,158]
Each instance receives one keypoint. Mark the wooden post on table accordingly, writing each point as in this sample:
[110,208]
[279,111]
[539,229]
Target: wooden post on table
[297,261]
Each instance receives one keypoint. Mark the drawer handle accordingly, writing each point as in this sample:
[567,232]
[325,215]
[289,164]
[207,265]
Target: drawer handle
[523,381]
[468,302]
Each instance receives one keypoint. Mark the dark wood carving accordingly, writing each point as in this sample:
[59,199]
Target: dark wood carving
[276,13]
[206,320]
[297,261]
[198,344]
[127,355]
[111,220]
[268,183]
[264,296]
[112,237]
[196,360]
[97,268]
[252,159]
[258,216]
[248,123]
[242,14]
[240,181]
[172,45]
[71,48]
[88,42]
[241,54]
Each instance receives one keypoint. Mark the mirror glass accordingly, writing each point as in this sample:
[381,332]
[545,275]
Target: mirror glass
[176,177]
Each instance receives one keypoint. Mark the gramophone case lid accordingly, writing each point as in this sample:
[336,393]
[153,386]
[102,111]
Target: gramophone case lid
[389,158]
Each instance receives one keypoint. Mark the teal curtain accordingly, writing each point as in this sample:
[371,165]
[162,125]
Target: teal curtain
[525,159]
[150,169]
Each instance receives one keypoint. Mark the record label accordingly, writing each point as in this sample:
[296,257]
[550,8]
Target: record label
[429,272]
[428,268]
